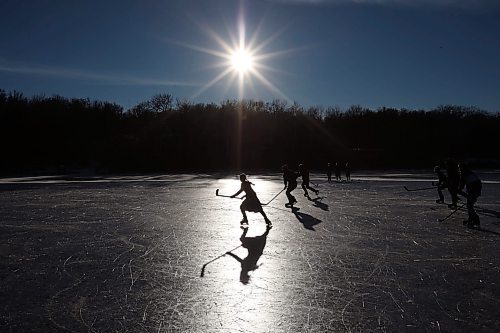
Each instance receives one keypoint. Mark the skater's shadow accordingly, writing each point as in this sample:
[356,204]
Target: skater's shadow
[488,212]
[320,204]
[255,246]
[488,231]
[307,220]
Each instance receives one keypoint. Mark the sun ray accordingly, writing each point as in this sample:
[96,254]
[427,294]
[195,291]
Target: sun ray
[268,84]
[279,53]
[211,83]
[230,81]
[260,66]
[202,49]
[222,43]
[258,47]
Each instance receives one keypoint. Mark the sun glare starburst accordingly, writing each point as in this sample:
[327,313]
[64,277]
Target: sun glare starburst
[241,62]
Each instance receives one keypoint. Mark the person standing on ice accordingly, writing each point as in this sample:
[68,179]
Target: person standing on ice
[304,173]
[290,180]
[473,188]
[337,172]
[348,172]
[251,202]
[329,170]
[441,184]
[453,182]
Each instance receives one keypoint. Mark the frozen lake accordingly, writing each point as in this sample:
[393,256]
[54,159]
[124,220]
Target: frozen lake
[125,253]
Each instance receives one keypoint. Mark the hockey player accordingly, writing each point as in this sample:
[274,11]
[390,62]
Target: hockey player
[251,202]
[441,184]
[304,173]
[473,187]
[290,180]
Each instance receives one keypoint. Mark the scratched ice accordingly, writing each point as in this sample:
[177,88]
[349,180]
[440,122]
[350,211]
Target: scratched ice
[117,254]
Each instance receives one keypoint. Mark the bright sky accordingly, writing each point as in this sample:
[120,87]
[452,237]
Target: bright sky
[394,53]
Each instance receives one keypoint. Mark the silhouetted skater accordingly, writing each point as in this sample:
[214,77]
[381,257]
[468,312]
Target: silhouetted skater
[441,184]
[304,173]
[348,172]
[337,172]
[453,182]
[255,247]
[473,187]
[251,202]
[290,180]
[329,170]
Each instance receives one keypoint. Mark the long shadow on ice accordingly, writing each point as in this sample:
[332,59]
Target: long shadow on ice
[255,246]
[307,220]
[488,212]
[317,202]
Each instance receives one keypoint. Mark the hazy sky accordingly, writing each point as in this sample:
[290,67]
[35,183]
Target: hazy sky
[394,53]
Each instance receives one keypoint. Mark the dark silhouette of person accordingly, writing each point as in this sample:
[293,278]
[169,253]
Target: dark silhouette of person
[251,202]
[329,170]
[441,184]
[290,180]
[347,171]
[255,246]
[304,173]
[473,187]
[337,172]
[453,173]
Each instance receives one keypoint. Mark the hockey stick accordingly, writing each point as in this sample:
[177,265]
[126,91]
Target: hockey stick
[202,274]
[453,212]
[419,189]
[226,196]
[273,198]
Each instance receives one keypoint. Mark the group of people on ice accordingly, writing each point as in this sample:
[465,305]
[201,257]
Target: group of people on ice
[338,171]
[460,179]
[253,204]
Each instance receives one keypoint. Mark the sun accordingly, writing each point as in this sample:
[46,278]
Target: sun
[242,60]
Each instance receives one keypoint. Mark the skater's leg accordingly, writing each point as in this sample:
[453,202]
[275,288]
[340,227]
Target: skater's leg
[454,198]
[291,198]
[473,217]
[268,221]
[441,196]
[304,187]
[245,220]
[312,189]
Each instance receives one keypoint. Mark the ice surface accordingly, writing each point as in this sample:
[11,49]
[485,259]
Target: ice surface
[125,253]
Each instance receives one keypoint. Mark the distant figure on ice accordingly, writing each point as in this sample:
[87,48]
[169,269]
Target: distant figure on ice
[290,180]
[453,182]
[473,188]
[441,184]
[337,172]
[255,247]
[304,173]
[251,202]
[348,171]
[329,170]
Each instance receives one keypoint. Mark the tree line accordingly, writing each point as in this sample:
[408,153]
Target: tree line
[58,134]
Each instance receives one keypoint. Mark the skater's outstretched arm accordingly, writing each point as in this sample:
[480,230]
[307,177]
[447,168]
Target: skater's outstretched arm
[234,195]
